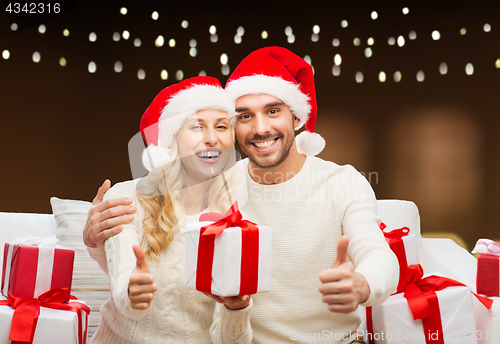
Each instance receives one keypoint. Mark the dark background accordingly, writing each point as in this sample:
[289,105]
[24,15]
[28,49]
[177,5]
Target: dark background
[64,130]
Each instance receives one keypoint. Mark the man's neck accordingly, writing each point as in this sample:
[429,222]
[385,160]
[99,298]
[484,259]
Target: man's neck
[280,173]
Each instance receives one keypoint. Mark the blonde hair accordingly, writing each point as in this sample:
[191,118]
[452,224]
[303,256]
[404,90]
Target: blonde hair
[162,194]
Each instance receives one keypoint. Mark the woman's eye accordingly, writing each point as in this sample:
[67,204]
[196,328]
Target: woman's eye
[196,127]
[221,127]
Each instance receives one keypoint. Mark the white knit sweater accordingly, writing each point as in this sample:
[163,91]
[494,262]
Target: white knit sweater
[308,214]
[177,314]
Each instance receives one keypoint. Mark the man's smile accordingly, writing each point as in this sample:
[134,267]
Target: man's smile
[265,146]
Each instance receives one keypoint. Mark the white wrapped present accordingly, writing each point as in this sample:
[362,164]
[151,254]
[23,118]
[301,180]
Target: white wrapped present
[57,322]
[434,309]
[228,257]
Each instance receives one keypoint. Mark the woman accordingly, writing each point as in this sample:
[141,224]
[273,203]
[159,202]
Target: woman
[190,153]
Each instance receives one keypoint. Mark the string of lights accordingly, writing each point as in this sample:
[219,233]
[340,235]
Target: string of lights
[369,49]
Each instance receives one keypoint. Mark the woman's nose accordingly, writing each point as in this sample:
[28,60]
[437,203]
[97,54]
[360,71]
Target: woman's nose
[209,137]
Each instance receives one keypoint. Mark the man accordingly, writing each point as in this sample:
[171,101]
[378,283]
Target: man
[325,228]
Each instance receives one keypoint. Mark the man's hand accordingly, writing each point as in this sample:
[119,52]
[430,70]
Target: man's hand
[232,302]
[141,286]
[343,288]
[105,219]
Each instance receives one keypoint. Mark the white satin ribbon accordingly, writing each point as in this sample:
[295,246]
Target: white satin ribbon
[487,246]
[46,247]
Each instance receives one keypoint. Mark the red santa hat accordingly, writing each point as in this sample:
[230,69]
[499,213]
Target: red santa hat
[282,74]
[171,108]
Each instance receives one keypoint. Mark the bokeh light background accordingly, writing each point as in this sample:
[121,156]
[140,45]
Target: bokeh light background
[408,93]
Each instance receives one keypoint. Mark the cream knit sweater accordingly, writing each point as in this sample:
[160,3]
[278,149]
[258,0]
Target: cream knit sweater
[308,213]
[177,314]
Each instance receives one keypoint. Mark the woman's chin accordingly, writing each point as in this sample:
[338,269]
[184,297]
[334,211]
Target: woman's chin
[207,171]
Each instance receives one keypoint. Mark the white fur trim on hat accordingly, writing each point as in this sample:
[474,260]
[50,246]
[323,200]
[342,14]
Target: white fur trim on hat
[284,90]
[154,157]
[186,103]
[309,143]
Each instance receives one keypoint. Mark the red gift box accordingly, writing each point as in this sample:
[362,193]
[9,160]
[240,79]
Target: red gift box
[32,267]
[488,272]
[488,267]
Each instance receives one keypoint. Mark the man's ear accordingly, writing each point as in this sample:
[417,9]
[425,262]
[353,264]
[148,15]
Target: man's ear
[296,122]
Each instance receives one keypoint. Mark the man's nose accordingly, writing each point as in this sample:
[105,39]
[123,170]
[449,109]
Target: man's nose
[262,126]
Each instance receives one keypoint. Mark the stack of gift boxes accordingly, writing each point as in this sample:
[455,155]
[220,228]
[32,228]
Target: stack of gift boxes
[36,305]
[430,308]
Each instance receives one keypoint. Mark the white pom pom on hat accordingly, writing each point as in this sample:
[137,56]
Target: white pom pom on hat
[310,143]
[282,74]
[154,156]
[170,109]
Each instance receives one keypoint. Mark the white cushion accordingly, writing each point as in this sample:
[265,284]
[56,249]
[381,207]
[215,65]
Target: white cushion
[14,225]
[90,283]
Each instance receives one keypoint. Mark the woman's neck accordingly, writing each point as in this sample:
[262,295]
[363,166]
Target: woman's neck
[194,197]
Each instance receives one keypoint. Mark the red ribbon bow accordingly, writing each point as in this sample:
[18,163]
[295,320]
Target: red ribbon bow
[418,289]
[395,234]
[27,311]
[232,218]
[249,250]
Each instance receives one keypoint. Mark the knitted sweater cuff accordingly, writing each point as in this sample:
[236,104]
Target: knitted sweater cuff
[98,254]
[236,317]
[370,268]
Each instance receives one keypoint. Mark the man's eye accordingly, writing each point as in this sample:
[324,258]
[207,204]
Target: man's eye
[244,116]
[273,111]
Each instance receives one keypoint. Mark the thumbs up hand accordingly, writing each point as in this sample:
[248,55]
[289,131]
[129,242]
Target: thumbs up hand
[342,287]
[141,286]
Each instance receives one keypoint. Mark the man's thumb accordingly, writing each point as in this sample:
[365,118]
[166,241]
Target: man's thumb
[342,246]
[142,265]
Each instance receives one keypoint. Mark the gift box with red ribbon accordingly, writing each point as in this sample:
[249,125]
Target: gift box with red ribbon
[488,267]
[47,319]
[405,247]
[32,266]
[432,310]
[228,257]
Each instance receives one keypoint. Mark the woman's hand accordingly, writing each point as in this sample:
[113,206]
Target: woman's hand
[232,302]
[141,286]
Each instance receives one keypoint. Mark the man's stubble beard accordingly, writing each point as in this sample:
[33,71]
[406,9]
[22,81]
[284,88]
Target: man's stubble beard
[282,158]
